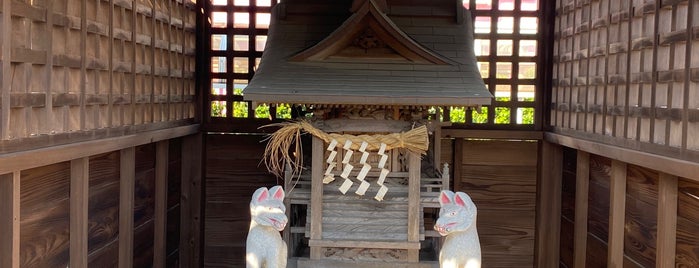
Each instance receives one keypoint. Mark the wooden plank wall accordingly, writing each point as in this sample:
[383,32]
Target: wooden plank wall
[103,210]
[501,178]
[86,88]
[99,210]
[568,196]
[233,172]
[174,182]
[687,243]
[636,217]
[75,70]
[624,73]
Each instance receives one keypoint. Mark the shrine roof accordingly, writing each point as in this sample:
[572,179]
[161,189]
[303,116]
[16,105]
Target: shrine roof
[369,52]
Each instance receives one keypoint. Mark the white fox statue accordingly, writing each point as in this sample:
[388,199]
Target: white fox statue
[457,221]
[264,246]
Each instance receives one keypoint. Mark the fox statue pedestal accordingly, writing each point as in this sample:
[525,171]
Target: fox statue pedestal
[264,246]
[457,221]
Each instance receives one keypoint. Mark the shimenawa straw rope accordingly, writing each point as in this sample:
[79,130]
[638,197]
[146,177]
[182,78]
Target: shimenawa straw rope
[277,152]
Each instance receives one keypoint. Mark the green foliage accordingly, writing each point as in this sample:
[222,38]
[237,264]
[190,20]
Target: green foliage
[502,115]
[262,111]
[240,109]
[457,115]
[218,109]
[527,115]
[480,117]
[284,111]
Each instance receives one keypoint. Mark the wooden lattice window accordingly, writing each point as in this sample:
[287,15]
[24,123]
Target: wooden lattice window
[238,33]
[507,37]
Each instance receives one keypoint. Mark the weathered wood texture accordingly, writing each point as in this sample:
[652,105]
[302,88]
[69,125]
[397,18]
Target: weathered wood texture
[687,228]
[233,173]
[667,221]
[191,196]
[9,224]
[103,210]
[501,178]
[144,205]
[623,74]
[641,216]
[77,67]
[127,176]
[582,186]
[44,214]
[568,205]
[636,244]
[598,211]
[46,211]
[79,186]
[174,208]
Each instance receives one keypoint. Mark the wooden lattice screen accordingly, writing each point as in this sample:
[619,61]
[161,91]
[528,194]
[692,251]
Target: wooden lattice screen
[88,67]
[508,38]
[626,73]
[237,33]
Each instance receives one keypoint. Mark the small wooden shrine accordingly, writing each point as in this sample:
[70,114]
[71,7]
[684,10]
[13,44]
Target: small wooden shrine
[369,76]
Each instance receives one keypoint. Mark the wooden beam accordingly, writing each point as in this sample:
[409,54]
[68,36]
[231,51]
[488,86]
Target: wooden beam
[667,220]
[191,244]
[9,222]
[548,223]
[677,167]
[317,196]
[5,72]
[364,244]
[582,185]
[414,210]
[126,206]
[55,154]
[160,216]
[79,198]
[492,134]
[617,213]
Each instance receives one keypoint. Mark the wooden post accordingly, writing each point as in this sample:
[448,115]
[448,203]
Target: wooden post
[83,62]
[6,71]
[458,153]
[286,234]
[617,213]
[667,220]
[437,143]
[414,205]
[126,206]
[79,197]
[549,189]
[317,196]
[9,221]
[581,204]
[160,217]
[191,201]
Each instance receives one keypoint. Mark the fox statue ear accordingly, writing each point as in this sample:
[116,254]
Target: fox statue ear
[445,197]
[461,198]
[277,192]
[261,194]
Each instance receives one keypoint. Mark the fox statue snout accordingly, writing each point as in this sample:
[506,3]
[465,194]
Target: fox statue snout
[457,221]
[264,246]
